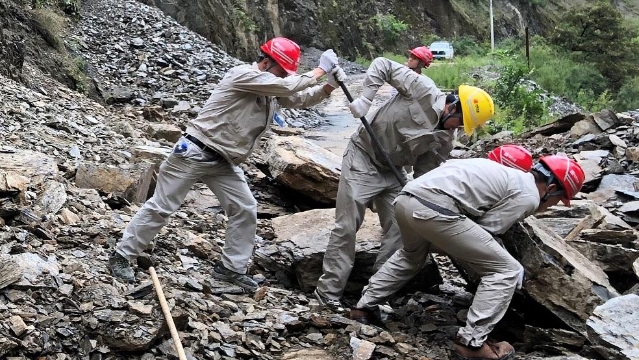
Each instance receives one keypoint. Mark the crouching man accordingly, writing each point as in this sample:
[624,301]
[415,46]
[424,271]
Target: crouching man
[437,208]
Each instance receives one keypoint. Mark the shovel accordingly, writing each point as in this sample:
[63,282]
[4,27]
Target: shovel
[146,263]
[376,142]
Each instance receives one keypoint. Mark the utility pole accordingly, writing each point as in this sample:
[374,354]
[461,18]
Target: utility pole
[492,29]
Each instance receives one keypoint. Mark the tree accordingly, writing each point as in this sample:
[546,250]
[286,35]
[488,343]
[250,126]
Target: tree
[596,34]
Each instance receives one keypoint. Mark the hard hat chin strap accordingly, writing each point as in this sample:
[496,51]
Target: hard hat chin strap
[452,112]
[550,178]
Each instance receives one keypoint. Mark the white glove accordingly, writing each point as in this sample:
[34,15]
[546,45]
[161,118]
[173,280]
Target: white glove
[360,107]
[328,60]
[336,75]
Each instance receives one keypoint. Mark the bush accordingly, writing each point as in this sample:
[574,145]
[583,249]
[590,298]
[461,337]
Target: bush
[628,96]
[598,34]
[392,28]
[467,45]
[450,75]
[524,108]
[556,72]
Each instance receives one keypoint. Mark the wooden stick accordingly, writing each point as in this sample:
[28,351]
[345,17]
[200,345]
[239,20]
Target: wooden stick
[167,314]
[586,223]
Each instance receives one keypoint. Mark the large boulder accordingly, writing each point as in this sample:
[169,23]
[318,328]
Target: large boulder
[154,155]
[558,276]
[131,182]
[35,166]
[305,167]
[301,241]
[614,328]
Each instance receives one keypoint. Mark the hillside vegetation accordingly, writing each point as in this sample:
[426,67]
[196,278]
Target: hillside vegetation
[590,59]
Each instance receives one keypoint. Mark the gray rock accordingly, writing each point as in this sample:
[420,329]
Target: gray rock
[552,340]
[167,132]
[614,326]
[557,276]
[132,183]
[619,182]
[606,119]
[53,197]
[556,127]
[362,349]
[305,167]
[10,271]
[119,95]
[615,258]
[301,241]
[584,127]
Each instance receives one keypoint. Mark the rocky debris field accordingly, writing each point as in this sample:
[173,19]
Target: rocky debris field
[148,61]
[73,172]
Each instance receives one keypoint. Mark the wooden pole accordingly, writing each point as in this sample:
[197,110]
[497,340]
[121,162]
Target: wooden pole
[167,315]
[527,48]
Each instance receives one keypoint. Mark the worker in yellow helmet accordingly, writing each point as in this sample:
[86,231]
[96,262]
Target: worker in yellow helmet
[415,127]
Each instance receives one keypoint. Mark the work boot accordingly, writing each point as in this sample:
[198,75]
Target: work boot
[241,280]
[330,304]
[121,268]
[487,351]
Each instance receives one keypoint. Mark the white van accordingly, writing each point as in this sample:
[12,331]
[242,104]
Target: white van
[442,50]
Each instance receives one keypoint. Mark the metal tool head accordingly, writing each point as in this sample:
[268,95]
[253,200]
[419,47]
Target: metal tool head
[145,261]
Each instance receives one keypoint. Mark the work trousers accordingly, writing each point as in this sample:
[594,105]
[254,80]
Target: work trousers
[461,238]
[360,183]
[186,165]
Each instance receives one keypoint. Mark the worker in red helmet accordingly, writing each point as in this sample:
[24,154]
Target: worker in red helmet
[459,207]
[225,132]
[513,156]
[419,58]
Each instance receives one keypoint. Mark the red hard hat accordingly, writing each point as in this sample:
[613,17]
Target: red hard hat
[569,174]
[423,53]
[285,52]
[513,156]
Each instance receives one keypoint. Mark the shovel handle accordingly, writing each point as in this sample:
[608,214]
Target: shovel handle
[376,142]
[167,315]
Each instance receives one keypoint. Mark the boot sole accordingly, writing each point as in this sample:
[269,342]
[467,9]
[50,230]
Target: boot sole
[323,305]
[230,280]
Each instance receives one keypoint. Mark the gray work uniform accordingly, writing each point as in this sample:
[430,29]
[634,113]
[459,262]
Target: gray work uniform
[405,126]
[483,198]
[235,116]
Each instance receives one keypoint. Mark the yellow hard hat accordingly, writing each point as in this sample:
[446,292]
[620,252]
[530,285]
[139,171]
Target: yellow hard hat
[477,107]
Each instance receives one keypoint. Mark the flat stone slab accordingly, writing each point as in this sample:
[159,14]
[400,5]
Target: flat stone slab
[614,328]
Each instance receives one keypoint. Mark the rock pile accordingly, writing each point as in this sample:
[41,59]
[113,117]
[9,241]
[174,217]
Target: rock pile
[147,60]
[72,172]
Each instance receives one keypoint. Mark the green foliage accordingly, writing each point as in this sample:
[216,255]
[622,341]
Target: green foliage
[628,96]
[391,27]
[523,107]
[449,75]
[51,26]
[75,68]
[593,102]
[557,72]
[597,34]
[541,3]
[242,18]
[430,38]
[467,45]
[70,7]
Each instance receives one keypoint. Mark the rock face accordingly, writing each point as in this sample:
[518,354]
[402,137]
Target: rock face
[614,328]
[324,24]
[305,167]
[301,241]
[558,276]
